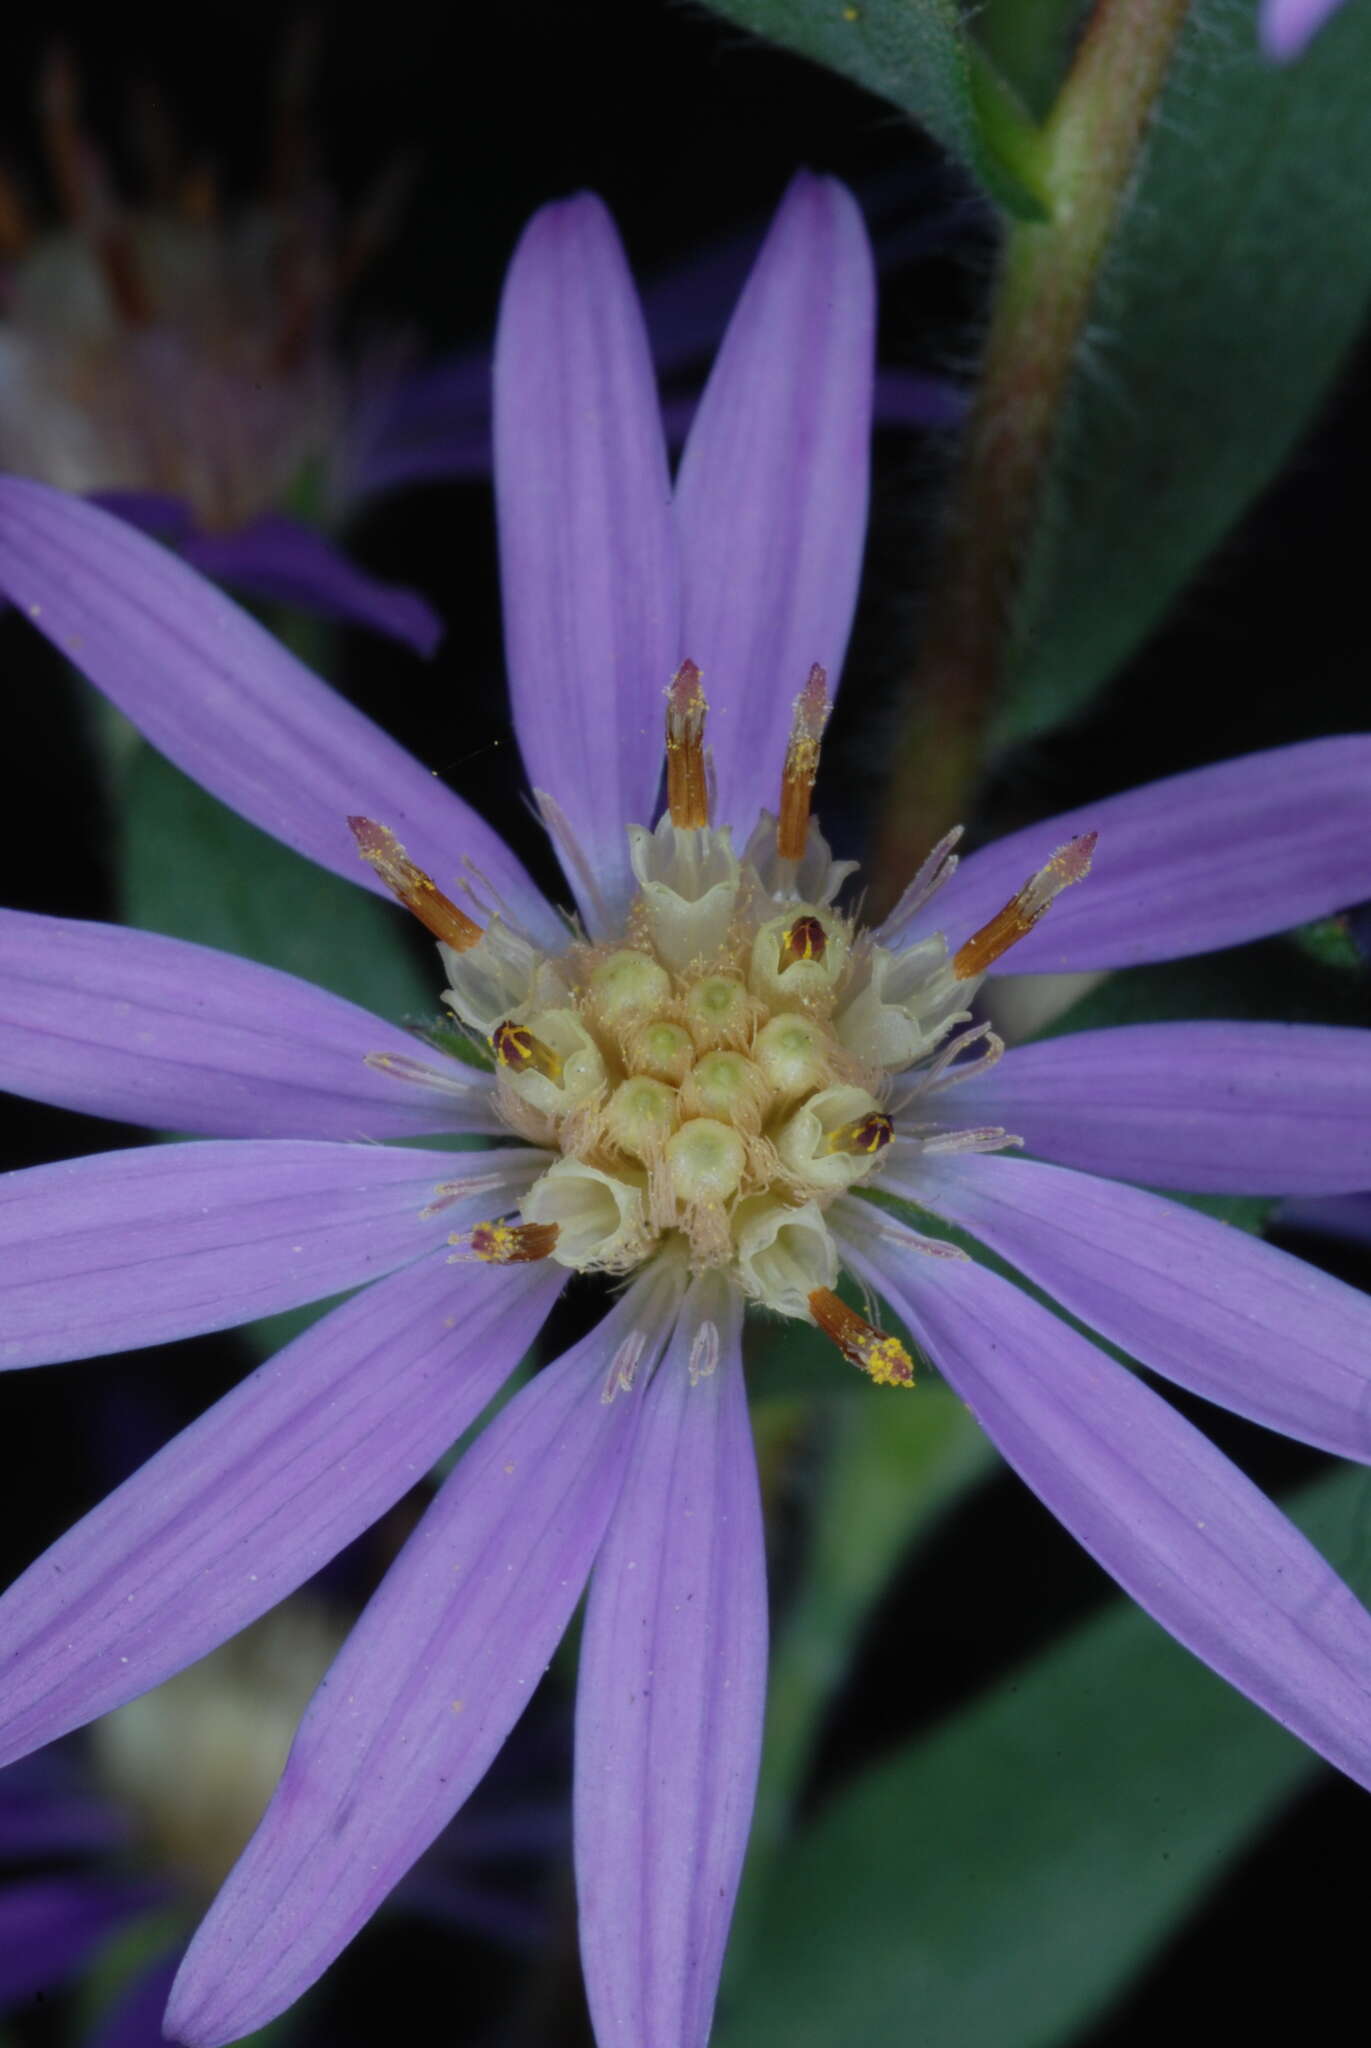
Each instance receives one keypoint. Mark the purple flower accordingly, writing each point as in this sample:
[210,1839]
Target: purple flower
[1287,27]
[708,1076]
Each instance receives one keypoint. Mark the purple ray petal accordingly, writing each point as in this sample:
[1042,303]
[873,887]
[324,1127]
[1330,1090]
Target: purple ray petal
[587,544]
[1212,1307]
[122,1249]
[773,487]
[423,1693]
[155,1031]
[50,1925]
[1211,1108]
[671,1698]
[1180,1528]
[1201,860]
[260,1492]
[1286,27]
[286,563]
[904,398]
[221,699]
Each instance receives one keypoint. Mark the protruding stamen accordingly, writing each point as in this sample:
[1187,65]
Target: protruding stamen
[806,939]
[687,788]
[865,1136]
[418,892]
[802,765]
[884,1359]
[516,1047]
[1070,863]
[510,1244]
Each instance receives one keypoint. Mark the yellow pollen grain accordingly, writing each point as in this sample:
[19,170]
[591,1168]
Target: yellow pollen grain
[866,1135]
[516,1047]
[806,939]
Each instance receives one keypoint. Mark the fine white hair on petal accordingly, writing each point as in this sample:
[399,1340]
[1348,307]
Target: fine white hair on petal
[657,1294]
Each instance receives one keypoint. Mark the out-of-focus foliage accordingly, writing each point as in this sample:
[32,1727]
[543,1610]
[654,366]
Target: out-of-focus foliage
[890,1468]
[195,870]
[994,1884]
[1235,281]
[1274,980]
[1029,41]
[917,54]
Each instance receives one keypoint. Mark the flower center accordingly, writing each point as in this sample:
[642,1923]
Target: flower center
[712,1078]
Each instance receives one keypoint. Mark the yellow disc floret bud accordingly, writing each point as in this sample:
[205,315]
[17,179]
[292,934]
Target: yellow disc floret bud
[719,1011]
[627,987]
[728,1086]
[641,1116]
[662,1049]
[705,1160]
[794,1054]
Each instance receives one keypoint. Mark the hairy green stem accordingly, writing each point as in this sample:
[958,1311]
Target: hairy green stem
[1039,312]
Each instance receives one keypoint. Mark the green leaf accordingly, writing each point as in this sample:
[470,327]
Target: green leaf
[1235,282]
[1028,41]
[194,870]
[191,868]
[916,54]
[893,1462]
[1273,981]
[995,1884]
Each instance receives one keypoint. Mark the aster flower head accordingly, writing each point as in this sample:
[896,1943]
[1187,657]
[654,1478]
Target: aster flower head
[169,347]
[699,1082]
[177,354]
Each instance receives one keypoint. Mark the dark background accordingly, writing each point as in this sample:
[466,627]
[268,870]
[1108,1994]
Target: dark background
[690,132]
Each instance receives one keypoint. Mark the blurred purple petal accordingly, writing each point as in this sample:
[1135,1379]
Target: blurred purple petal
[432,426]
[134,2019]
[460,1904]
[123,1249]
[1286,27]
[773,487]
[261,1491]
[913,398]
[1206,1304]
[424,1691]
[1346,1216]
[671,1699]
[50,1925]
[1201,860]
[47,1814]
[226,703]
[1182,1530]
[153,512]
[155,1031]
[286,563]
[587,543]
[1211,1108]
